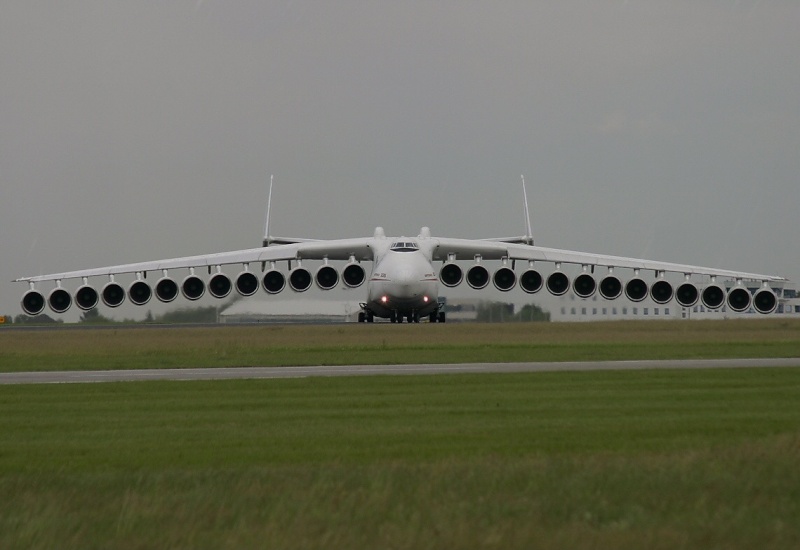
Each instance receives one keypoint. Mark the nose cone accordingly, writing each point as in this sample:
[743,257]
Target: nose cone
[406,284]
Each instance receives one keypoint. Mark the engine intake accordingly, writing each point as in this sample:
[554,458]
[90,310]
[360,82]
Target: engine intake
[661,292]
[713,296]
[451,275]
[739,299]
[220,285]
[326,277]
[59,300]
[636,290]
[477,277]
[166,290]
[687,295]
[354,275]
[584,285]
[32,303]
[113,294]
[300,279]
[765,301]
[557,283]
[86,298]
[504,279]
[610,287]
[139,293]
[531,281]
[246,283]
[193,287]
[274,281]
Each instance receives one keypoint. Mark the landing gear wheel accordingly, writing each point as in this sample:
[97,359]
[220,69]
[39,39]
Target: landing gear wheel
[361,317]
[442,317]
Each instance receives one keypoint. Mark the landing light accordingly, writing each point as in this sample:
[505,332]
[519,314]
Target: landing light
[425,299]
[384,299]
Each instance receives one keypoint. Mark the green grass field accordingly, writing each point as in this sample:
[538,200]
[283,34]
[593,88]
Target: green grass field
[281,345]
[655,459]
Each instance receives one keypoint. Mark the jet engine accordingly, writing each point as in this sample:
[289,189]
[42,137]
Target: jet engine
[246,283]
[166,289]
[687,295]
[193,287]
[353,275]
[636,290]
[477,277]
[220,285]
[32,303]
[274,281]
[765,301]
[531,281]
[326,277]
[557,283]
[504,279]
[59,300]
[139,293]
[112,294]
[86,298]
[610,287]
[661,292]
[584,285]
[713,296]
[451,275]
[300,279]
[739,299]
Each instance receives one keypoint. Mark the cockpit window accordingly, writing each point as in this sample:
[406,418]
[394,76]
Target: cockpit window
[404,246]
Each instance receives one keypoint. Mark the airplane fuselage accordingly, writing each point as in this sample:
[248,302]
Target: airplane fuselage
[404,282]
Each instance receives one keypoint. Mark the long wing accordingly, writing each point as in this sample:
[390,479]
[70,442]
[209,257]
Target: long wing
[445,248]
[337,249]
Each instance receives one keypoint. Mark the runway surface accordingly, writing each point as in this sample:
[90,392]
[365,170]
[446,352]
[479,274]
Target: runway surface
[231,373]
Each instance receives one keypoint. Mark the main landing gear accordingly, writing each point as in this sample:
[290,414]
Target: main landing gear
[367,316]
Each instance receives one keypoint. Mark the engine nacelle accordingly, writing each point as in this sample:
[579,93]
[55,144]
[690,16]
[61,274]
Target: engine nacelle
[220,285]
[139,293]
[246,283]
[166,290]
[504,279]
[636,290]
[739,299]
[713,296]
[32,303]
[584,285]
[59,300]
[531,281]
[193,287]
[112,294]
[477,277]
[687,295]
[354,275]
[610,287]
[765,301]
[661,292]
[557,283]
[451,275]
[274,281]
[300,279]
[86,298]
[326,277]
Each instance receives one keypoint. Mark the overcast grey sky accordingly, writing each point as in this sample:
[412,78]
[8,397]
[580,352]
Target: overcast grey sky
[133,131]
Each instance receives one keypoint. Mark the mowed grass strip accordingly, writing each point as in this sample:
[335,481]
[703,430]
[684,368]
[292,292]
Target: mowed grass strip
[656,459]
[287,345]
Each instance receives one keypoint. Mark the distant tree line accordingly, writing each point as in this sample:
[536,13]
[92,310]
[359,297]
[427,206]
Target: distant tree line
[500,312]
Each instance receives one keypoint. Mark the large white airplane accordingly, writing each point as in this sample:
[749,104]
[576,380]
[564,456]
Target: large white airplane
[404,282]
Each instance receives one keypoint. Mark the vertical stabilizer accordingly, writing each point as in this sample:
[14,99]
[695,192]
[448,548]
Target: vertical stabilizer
[269,207]
[528,231]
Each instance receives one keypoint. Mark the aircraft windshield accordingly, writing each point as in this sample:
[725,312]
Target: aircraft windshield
[402,246]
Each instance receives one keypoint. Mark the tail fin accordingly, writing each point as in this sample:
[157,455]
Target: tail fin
[528,232]
[527,238]
[269,207]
